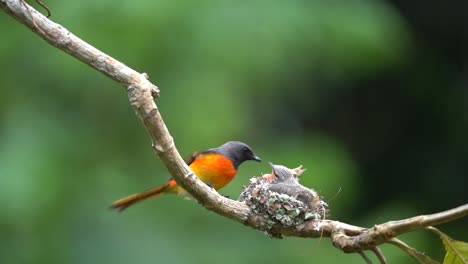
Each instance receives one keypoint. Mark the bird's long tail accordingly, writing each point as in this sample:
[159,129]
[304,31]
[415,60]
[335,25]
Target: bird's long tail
[154,192]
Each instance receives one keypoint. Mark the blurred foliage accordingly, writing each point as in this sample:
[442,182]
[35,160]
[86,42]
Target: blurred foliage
[456,251]
[371,96]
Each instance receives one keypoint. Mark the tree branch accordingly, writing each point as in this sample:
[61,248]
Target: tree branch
[382,233]
[380,256]
[141,94]
[418,256]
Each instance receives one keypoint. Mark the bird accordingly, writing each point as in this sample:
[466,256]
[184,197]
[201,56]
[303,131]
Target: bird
[215,166]
[286,181]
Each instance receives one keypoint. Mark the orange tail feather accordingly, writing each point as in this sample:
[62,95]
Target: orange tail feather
[127,201]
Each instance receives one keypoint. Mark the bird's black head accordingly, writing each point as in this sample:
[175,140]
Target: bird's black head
[237,152]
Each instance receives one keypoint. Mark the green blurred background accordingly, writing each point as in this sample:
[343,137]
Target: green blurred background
[370,96]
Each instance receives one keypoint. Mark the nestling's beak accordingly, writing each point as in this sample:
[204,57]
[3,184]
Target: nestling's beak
[256,158]
[272,168]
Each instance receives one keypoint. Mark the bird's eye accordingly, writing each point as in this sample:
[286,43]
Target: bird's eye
[246,149]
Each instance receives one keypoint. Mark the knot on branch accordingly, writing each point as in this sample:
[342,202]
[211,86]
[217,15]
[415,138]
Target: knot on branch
[282,200]
[141,93]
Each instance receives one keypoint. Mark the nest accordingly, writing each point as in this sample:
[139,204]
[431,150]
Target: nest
[282,200]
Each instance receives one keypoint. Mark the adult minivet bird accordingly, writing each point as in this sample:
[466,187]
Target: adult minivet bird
[216,167]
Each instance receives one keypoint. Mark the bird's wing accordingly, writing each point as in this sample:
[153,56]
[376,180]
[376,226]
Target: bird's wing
[191,158]
[188,160]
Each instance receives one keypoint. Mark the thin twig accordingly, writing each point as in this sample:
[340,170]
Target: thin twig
[366,259]
[44,6]
[25,5]
[380,255]
[418,256]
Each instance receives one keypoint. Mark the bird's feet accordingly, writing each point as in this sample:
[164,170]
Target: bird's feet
[209,185]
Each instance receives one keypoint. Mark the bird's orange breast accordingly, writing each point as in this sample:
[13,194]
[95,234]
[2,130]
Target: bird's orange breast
[214,169]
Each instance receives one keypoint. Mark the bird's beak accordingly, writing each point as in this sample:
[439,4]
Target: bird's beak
[257,158]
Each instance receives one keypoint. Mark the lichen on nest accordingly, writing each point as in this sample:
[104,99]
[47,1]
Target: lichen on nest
[282,200]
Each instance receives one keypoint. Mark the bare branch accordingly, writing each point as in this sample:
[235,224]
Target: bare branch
[384,232]
[380,255]
[364,256]
[141,94]
[418,256]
